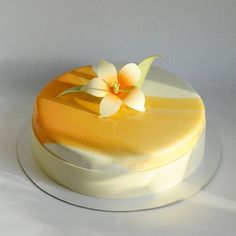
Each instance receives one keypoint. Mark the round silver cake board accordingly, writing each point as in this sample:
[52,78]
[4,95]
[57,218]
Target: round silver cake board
[183,190]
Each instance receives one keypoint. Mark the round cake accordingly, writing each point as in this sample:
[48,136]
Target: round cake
[129,154]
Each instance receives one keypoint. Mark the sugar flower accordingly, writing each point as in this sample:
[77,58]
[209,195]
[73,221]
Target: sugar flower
[119,87]
[116,87]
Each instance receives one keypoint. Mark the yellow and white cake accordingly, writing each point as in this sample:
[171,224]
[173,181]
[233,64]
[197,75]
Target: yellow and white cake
[128,154]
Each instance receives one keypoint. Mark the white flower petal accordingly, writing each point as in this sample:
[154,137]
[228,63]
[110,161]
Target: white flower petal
[107,72]
[135,99]
[129,75]
[110,105]
[96,87]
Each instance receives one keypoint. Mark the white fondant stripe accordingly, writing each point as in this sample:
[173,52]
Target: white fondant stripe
[160,83]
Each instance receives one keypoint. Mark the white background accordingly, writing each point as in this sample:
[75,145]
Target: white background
[40,39]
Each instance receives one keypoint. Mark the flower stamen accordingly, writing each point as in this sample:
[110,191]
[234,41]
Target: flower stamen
[115,87]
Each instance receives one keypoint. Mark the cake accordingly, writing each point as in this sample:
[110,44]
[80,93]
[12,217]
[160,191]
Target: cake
[149,138]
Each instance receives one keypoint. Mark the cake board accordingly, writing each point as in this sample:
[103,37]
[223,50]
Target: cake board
[192,184]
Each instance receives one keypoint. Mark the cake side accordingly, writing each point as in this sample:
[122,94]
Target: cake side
[118,185]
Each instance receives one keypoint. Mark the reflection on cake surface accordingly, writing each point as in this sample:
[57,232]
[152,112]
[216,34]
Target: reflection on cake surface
[129,154]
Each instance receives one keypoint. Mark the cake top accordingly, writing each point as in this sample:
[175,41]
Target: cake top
[173,121]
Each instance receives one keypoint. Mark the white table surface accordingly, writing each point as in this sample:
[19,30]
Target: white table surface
[40,39]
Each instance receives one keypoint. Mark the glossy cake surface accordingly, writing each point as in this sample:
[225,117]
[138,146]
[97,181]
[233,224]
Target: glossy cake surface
[70,126]
[129,154]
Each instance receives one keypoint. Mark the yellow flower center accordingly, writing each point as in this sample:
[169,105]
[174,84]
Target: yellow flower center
[116,87]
